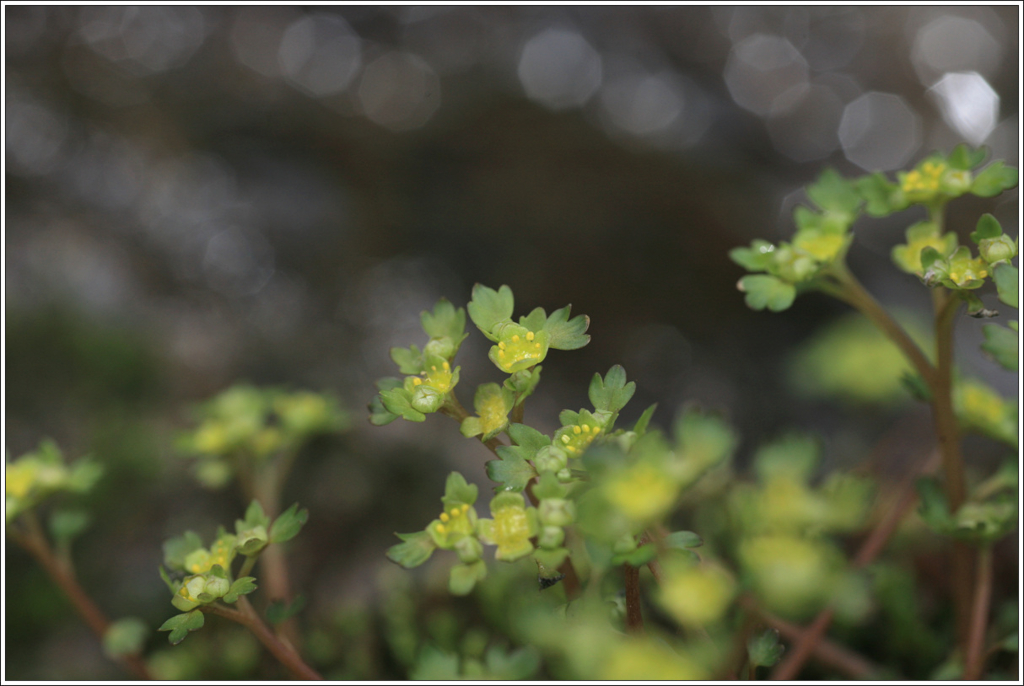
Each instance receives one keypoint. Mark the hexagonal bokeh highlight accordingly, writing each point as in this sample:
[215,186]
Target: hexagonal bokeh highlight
[879,131]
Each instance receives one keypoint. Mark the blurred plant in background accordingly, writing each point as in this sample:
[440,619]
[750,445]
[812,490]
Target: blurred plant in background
[198,195]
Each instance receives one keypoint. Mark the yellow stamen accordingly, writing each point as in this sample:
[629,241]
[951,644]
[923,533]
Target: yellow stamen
[439,528]
[529,335]
[576,430]
[586,427]
[445,517]
[565,439]
[515,338]
[447,367]
[417,381]
[501,344]
[455,512]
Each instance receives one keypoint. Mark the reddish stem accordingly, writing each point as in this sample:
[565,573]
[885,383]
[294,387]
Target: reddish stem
[634,617]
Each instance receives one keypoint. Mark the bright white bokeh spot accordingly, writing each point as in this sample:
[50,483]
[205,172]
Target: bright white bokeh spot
[320,54]
[968,104]
[803,123]
[954,44]
[879,131]
[760,69]
[399,91]
[559,69]
[643,104]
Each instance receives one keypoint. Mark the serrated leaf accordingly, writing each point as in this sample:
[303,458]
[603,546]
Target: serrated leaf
[683,540]
[994,179]
[279,610]
[288,524]
[1006,284]
[414,550]
[878,193]
[397,401]
[409,360]
[764,291]
[489,307]
[567,334]
[175,549]
[987,227]
[756,258]
[764,649]
[458,492]
[254,516]
[510,470]
[832,192]
[1003,345]
[550,561]
[527,437]
[171,586]
[444,321]
[242,586]
[379,415]
[535,320]
[181,625]
[612,392]
[964,157]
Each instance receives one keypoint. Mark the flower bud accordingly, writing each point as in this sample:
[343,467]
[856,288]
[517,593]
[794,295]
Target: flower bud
[551,458]
[556,512]
[998,249]
[426,399]
[440,347]
[551,537]
[469,549]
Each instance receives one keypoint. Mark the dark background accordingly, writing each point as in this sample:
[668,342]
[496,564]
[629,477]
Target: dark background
[197,196]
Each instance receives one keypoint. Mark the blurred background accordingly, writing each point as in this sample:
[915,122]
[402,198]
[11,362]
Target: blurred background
[199,196]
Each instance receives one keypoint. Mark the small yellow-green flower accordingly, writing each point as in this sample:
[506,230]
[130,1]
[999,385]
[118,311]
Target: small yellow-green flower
[966,271]
[697,595]
[920,236]
[922,183]
[519,348]
[453,524]
[512,527]
[201,560]
[577,435]
[642,492]
[492,403]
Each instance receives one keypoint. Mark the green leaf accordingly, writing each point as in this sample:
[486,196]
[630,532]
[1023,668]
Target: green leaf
[458,492]
[463,577]
[288,524]
[764,649]
[511,666]
[409,360]
[638,557]
[279,610]
[964,157]
[683,540]
[175,549]
[65,525]
[171,586]
[379,415]
[181,625]
[832,192]
[527,437]
[434,665]
[1002,344]
[567,334]
[915,384]
[934,509]
[994,179]
[523,383]
[254,516]
[1006,284]
[549,561]
[548,487]
[535,320]
[489,308]
[988,227]
[414,550]
[511,470]
[444,321]
[756,258]
[767,291]
[1011,643]
[243,586]
[881,196]
[611,393]
[397,401]
[794,455]
[640,428]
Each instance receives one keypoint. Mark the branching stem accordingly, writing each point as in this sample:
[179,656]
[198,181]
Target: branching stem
[246,616]
[974,662]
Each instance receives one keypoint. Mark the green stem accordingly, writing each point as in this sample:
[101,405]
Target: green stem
[35,543]
[974,662]
[850,290]
[454,409]
[285,654]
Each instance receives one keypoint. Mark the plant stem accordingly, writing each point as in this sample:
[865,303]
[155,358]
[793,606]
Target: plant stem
[868,551]
[825,651]
[946,306]
[268,482]
[974,662]
[35,543]
[634,617]
[285,654]
[852,292]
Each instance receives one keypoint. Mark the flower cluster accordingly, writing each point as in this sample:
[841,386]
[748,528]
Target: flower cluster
[38,474]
